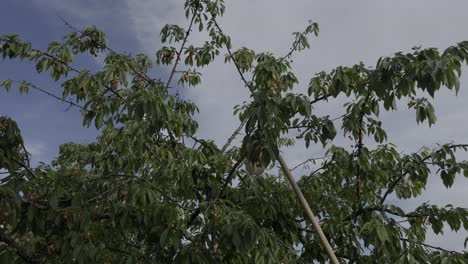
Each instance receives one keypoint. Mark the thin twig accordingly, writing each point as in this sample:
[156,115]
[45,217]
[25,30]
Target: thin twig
[232,57]
[383,210]
[431,247]
[139,73]
[307,161]
[108,88]
[56,97]
[24,166]
[179,54]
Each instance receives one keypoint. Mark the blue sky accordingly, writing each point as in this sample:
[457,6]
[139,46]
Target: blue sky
[44,121]
[351,31]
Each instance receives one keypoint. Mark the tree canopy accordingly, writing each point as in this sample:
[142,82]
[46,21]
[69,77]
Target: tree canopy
[149,189]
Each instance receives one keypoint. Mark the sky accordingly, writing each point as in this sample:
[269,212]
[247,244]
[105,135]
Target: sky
[350,32]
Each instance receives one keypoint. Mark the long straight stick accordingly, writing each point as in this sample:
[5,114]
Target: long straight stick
[309,212]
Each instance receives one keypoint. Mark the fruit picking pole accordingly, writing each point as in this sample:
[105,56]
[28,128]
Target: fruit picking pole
[309,212]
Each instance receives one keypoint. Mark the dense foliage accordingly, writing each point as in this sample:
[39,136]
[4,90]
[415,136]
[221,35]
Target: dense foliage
[149,190]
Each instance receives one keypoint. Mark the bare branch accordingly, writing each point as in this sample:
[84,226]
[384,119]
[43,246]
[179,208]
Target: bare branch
[359,146]
[233,136]
[431,247]
[56,97]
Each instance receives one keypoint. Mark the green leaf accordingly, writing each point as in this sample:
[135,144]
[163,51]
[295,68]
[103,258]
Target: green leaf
[6,84]
[99,120]
[382,233]
[447,178]
[7,256]
[163,238]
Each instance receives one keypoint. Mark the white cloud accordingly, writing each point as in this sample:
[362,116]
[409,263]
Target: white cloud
[37,150]
[148,17]
[82,10]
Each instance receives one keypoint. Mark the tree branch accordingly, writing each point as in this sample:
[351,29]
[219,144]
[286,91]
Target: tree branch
[308,160]
[24,166]
[359,146]
[180,51]
[231,175]
[232,56]
[97,44]
[20,251]
[398,179]
[56,97]
[383,210]
[431,247]
[233,136]
[108,88]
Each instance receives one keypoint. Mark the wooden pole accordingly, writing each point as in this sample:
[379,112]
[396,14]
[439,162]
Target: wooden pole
[309,212]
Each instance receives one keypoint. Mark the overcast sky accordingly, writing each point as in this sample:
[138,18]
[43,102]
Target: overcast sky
[350,32]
